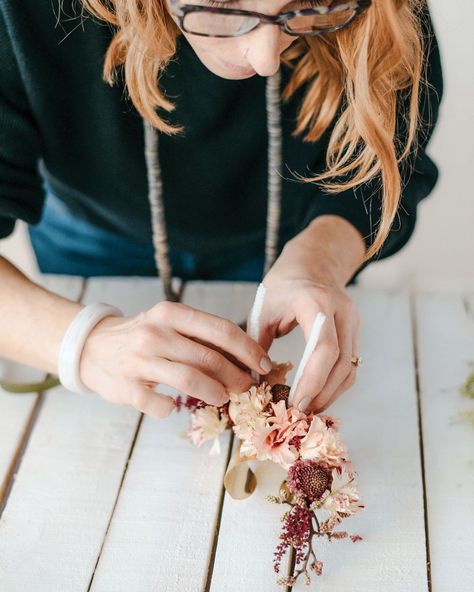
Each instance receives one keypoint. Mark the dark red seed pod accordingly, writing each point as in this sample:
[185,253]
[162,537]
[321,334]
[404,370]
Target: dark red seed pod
[280,392]
[310,478]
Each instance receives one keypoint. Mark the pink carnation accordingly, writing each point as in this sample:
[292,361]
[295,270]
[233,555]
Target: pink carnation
[272,441]
[322,444]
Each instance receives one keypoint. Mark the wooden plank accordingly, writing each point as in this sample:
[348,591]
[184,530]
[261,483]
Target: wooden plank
[249,528]
[16,411]
[248,536]
[379,424]
[445,327]
[54,524]
[162,533]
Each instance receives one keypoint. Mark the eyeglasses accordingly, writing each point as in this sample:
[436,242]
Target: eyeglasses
[213,21]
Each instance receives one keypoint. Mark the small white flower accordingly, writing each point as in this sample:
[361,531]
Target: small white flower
[246,413]
[344,496]
[206,424]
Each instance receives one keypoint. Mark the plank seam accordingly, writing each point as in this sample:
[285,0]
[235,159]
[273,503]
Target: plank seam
[19,453]
[14,467]
[124,474]
[109,522]
[420,437]
[217,524]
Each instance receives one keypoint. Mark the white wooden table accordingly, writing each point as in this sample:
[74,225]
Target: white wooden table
[95,497]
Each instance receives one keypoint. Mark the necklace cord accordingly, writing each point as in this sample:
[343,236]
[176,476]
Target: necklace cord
[155,189]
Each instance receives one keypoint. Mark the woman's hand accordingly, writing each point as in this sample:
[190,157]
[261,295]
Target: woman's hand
[197,353]
[306,279]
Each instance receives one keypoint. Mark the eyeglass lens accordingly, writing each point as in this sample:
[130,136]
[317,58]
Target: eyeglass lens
[207,23]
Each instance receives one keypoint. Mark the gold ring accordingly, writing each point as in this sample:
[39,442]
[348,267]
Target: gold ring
[356,361]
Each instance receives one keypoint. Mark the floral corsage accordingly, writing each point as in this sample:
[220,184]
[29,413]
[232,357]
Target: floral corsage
[320,489]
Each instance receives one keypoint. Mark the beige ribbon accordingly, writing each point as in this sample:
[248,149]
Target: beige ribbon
[239,480]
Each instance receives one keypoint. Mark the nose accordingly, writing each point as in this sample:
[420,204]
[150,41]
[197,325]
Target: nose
[262,47]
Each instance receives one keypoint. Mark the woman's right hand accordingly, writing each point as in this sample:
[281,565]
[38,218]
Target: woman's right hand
[196,353]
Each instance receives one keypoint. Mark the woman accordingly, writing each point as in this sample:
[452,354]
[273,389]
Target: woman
[185,134]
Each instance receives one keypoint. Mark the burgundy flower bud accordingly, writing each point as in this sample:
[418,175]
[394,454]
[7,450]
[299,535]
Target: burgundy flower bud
[310,478]
[280,392]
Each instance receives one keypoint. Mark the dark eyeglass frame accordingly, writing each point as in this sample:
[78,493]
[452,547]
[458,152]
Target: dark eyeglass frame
[358,6]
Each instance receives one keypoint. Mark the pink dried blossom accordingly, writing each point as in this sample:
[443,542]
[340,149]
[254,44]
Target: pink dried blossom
[272,440]
[317,567]
[322,444]
[207,424]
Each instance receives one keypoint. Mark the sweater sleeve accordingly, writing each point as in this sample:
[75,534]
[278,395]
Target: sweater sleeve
[362,205]
[21,194]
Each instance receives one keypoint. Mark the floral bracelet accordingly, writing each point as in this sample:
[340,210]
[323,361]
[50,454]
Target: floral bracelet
[320,488]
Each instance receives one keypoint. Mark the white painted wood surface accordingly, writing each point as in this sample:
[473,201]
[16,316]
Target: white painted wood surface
[55,533]
[249,528]
[163,526]
[16,410]
[445,326]
[54,524]
[379,425]
[163,530]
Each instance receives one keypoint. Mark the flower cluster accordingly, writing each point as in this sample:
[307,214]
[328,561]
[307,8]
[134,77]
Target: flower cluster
[320,477]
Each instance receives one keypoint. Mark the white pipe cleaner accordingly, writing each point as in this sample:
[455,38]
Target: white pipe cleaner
[308,350]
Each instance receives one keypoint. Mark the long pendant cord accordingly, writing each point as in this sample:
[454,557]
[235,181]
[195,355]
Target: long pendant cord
[157,210]
[155,189]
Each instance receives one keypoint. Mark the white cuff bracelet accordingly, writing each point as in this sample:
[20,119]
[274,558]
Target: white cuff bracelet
[73,343]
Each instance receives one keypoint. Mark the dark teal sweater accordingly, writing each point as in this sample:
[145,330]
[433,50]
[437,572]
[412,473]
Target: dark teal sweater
[59,120]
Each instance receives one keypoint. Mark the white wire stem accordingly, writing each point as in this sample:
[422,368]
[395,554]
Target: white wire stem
[308,350]
[253,327]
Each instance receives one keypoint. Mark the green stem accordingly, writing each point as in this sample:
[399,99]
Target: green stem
[19,388]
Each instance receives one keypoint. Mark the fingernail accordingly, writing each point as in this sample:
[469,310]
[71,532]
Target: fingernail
[266,364]
[304,403]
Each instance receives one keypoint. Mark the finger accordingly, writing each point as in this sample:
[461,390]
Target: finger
[146,400]
[345,386]
[349,381]
[185,379]
[221,332]
[208,360]
[237,363]
[320,363]
[342,368]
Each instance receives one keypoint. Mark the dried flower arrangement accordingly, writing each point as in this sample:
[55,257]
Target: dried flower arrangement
[320,476]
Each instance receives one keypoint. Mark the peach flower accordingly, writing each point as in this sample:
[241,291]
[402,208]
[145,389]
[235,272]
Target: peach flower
[322,444]
[273,440]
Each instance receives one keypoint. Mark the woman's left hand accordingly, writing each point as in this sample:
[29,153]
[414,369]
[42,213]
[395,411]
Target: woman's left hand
[301,283]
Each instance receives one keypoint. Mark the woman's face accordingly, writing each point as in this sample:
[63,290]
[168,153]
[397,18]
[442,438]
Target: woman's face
[256,52]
